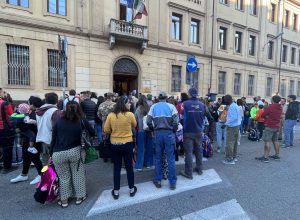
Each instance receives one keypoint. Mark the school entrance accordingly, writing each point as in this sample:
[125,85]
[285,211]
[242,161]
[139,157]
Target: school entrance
[125,77]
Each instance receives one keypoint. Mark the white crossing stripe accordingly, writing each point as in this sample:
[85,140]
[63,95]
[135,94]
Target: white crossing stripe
[230,210]
[147,192]
[179,162]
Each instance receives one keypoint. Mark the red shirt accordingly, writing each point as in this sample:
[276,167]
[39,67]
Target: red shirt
[7,110]
[272,116]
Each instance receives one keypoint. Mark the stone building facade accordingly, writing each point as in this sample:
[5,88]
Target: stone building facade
[236,43]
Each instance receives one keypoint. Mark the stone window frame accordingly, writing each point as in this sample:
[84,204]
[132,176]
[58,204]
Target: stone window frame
[295,55]
[183,14]
[270,12]
[3,59]
[256,9]
[201,20]
[272,85]
[240,83]
[256,35]
[243,4]
[48,14]
[269,37]
[226,72]
[182,73]
[254,74]
[287,53]
[4,4]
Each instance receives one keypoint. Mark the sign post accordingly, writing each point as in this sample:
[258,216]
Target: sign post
[191,67]
[63,56]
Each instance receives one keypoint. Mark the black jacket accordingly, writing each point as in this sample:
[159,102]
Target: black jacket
[292,111]
[89,109]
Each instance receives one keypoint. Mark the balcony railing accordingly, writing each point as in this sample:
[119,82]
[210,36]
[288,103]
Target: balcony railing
[125,31]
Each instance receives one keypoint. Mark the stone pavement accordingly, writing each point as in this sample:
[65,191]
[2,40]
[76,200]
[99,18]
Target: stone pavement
[248,190]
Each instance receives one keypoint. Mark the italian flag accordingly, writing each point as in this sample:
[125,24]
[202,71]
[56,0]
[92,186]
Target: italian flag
[140,8]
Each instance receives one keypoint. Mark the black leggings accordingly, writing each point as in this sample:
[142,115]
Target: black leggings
[29,157]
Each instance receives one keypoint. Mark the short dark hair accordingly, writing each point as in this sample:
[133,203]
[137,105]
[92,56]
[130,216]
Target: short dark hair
[228,99]
[292,97]
[51,98]
[239,102]
[276,98]
[35,101]
[184,96]
[72,92]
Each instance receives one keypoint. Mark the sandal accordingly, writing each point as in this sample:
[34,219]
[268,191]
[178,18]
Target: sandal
[80,200]
[63,205]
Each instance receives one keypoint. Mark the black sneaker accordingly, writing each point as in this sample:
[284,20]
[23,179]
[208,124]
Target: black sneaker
[275,157]
[199,172]
[132,194]
[182,173]
[157,184]
[263,159]
[173,186]
[115,196]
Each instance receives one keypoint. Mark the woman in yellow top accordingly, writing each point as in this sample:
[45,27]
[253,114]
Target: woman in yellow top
[119,125]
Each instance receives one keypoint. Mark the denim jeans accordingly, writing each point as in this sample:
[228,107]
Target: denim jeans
[144,150]
[288,130]
[98,128]
[165,141]
[220,133]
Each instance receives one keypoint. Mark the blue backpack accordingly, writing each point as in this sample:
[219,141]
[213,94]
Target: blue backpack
[16,119]
[207,147]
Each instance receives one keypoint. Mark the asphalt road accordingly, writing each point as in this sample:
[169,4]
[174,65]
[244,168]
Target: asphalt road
[264,191]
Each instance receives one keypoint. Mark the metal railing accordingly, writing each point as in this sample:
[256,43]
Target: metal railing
[126,29]
[18,65]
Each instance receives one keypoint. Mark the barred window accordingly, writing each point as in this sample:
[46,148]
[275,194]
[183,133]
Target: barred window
[18,65]
[176,79]
[251,85]
[222,83]
[298,90]
[55,77]
[283,88]
[237,84]
[292,87]
[269,86]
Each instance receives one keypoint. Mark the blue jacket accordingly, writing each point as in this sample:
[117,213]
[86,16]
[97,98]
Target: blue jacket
[163,116]
[193,116]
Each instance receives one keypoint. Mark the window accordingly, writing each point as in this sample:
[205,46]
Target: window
[287,19]
[176,26]
[269,86]
[225,2]
[194,76]
[253,7]
[284,53]
[237,84]
[55,78]
[282,88]
[270,50]
[238,42]
[292,87]
[222,38]
[176,79]
[58,7]
[18,65]
[295,22]
[126,13]
[298,89]
[252,42]
[239,5]
[251,85]
[22,3]
[293,55]
[222,83]
[195,30]
[273,12]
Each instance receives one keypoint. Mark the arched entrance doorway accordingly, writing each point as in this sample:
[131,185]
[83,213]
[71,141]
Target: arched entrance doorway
[125,77]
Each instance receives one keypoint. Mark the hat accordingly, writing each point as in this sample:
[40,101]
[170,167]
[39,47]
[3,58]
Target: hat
[162,95]
[109,94]
[260,102]
[193,92]
[23,108]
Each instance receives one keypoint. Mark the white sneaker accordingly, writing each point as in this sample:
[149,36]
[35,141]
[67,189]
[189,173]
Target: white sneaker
[19,178]
[36,180]
[32,150]
[238,143]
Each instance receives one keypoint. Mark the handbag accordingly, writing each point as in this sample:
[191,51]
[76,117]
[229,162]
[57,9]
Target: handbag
[86,144]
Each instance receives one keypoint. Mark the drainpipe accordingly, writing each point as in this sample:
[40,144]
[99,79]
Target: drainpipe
[280,58]
[212,47]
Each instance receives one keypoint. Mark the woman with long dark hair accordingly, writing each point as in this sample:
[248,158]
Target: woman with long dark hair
[67,156]
[119,124]
[144,137]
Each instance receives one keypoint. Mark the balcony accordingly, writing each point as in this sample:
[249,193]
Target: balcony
[128,32]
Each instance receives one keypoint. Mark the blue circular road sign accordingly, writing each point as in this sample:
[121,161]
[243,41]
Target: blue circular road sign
[192,64]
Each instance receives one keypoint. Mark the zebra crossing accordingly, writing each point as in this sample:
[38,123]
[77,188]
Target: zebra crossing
[147,192]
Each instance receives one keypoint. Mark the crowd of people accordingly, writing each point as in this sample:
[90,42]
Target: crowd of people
[141,130]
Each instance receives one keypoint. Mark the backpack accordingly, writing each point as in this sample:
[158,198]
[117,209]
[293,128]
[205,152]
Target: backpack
[223,116]
[47,188]
[207,147]
[16,119]
[253,135]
